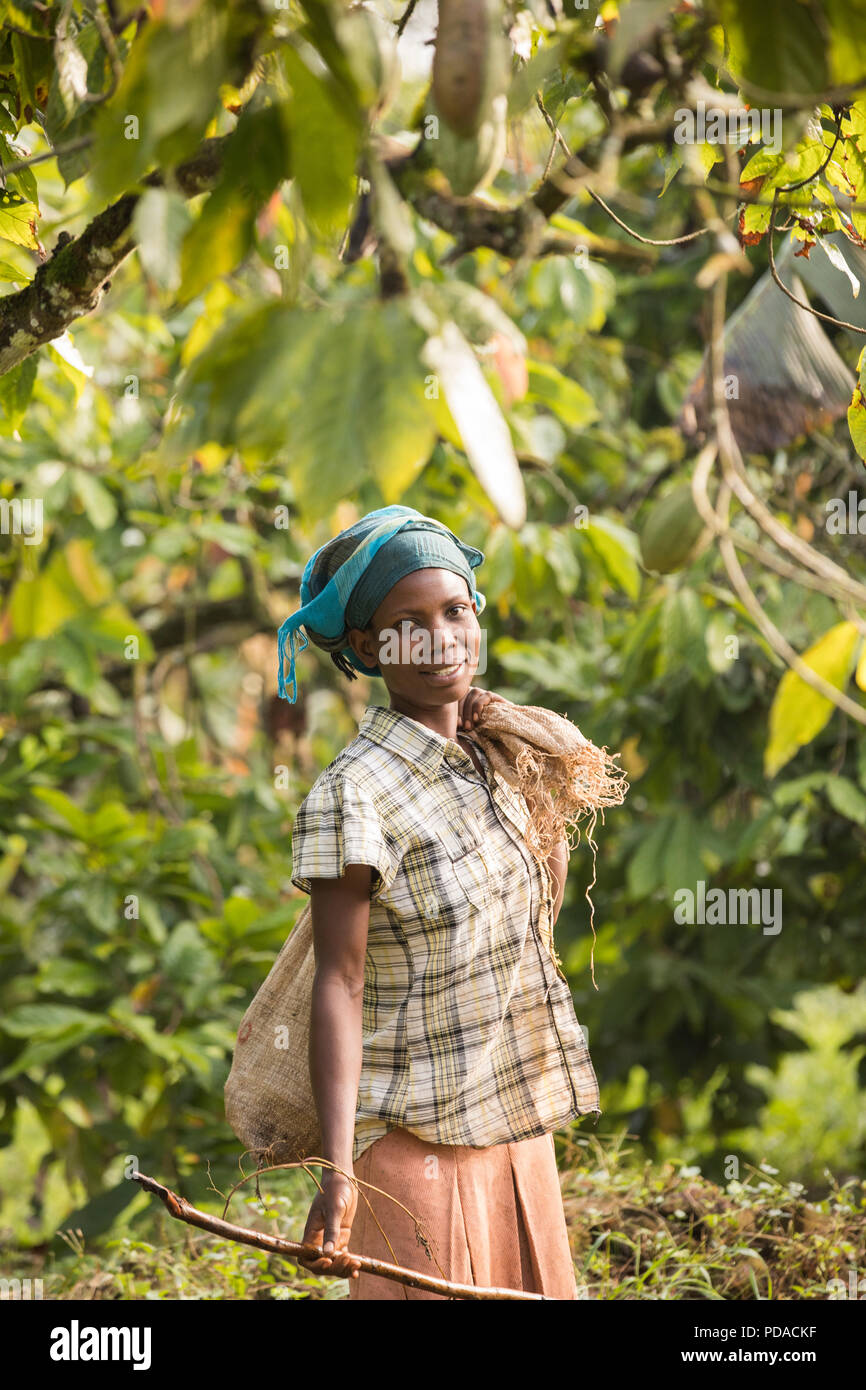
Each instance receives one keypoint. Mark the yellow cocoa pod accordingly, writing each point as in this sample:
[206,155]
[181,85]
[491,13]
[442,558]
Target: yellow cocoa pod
[471,63]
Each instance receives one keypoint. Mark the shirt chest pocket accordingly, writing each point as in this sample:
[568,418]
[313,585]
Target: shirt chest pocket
[471,863]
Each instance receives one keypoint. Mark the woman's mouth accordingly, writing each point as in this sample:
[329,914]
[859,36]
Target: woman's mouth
[444,675]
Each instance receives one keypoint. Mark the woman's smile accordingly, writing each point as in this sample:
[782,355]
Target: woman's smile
[444,675]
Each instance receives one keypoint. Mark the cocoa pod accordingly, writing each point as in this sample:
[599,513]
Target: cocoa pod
[671,531]
[472,162]
[471,63]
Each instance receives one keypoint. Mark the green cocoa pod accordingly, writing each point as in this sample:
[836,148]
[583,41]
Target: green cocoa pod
[471,162]
[471,63]
[671,531]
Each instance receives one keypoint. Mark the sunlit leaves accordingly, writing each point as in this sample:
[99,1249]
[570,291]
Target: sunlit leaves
[18,220]
[616,551]
[799,712]
[857,409]
[16,388]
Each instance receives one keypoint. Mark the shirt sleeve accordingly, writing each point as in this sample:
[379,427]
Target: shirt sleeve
[337,824]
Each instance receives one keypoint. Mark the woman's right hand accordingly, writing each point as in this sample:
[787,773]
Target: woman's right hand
[329,1225]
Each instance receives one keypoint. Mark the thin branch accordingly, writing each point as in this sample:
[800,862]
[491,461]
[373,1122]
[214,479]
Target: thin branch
[646,240]
[70,147]
[182,1210]
[559,139]
[405,17]
[801,303]
[71,282]
[717,520]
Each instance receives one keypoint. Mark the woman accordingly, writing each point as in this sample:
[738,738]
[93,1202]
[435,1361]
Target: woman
[444,1048]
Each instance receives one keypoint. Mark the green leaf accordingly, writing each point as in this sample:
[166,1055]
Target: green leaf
[682,865]
[567,399]
[160,222]
[18,219]
[846,798]
[644,869]
[28,1020]
[846,51]
[325,140]
[617,549]
[326,389]
[12,273]
[166,97]
[799,713]
[97,500]
[76,819]
[673,162]
[857,409]
[39,606]
[257,158]
[26,16]
[776,45]
[97,1216]
[46,1049]
[16,388]
[549,54]
[683,635]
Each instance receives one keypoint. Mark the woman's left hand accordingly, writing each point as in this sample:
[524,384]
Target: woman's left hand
[473,703]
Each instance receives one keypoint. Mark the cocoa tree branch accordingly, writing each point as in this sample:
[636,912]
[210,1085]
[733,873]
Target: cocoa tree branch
[71,283]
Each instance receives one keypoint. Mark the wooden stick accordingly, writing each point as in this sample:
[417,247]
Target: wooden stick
[183,1210]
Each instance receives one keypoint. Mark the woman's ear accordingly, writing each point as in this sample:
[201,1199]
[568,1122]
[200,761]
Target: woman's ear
[363,644]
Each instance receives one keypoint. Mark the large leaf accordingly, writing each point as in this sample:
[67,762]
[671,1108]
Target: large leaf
[257,157]
[325,137]
[799,713]
[342,395]
[775,44]
[485,435]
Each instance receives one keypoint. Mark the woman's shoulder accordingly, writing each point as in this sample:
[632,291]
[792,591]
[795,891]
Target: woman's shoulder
[354,766]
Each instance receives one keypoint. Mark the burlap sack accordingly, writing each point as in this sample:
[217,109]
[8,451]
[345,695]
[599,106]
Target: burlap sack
[268,1095]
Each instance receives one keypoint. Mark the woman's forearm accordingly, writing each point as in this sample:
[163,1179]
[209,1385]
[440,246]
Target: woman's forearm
[558,866]
[335,1062]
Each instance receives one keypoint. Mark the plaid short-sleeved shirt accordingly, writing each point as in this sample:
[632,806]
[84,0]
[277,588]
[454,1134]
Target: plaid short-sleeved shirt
[469,1030]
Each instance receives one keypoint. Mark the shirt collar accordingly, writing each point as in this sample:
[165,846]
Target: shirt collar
[420,746]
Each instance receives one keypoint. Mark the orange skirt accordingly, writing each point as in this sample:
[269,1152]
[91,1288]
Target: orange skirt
[492,1216]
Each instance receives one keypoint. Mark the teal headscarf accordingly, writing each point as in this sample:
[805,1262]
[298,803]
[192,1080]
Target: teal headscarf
[347,578]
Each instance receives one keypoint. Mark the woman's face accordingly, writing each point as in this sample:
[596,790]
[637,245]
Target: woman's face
[425,637]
